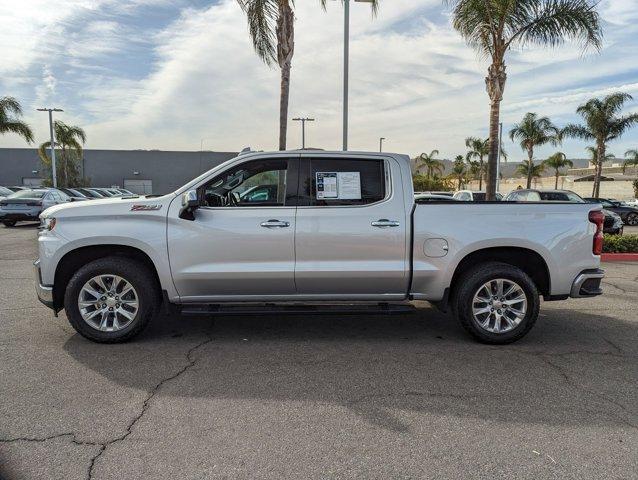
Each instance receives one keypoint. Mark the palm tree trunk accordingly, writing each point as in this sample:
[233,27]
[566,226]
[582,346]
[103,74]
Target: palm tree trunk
[495,84]
[530,166]
[481,173]
[556,182]
[599,169]
[492,158]
[285,51]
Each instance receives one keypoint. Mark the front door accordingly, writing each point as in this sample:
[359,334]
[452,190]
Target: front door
[241,243]
[351,234]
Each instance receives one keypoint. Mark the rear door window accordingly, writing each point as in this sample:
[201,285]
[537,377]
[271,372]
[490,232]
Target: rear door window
[343,182]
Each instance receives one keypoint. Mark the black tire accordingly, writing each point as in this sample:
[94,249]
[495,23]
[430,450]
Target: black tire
[9,223]
[632,219]
[137,274]
[468,285]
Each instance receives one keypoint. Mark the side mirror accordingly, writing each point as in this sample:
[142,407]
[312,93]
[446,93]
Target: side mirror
[190,203]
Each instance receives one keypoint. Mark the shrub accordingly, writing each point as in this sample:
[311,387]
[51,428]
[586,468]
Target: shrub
[424,184]
[620,244]
[636,188]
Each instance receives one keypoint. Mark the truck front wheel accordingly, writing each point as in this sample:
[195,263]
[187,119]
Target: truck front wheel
[496,303]
[112,299]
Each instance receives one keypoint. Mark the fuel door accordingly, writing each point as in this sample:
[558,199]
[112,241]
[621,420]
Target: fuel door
[435,247]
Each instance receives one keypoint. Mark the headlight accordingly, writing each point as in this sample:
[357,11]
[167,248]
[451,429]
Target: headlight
[47,223]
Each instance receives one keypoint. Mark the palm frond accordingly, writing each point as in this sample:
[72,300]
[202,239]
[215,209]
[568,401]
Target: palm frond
[17,127]
[551,22]
[577,131]
[262,20]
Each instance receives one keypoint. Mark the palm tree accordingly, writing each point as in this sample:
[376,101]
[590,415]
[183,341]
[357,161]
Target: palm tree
[530,170]
[431,164]
[479,148]
[494,26]
[10,111]
[602,125]
[557,161]
[632,161]
[271,24]
[459,171]
[69,140]
[532,132]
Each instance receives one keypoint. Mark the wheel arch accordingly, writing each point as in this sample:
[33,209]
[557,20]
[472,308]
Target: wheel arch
[530,261]
[76,258]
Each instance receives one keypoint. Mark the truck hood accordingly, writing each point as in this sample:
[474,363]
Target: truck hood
[110,206]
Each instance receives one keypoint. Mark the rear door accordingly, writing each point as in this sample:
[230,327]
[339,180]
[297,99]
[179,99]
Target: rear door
[350,235]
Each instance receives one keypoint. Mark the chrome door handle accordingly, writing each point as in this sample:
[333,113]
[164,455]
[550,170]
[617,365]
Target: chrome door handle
[384,222]
[273,223]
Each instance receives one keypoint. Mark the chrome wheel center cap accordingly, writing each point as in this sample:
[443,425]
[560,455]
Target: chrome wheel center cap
[110,301]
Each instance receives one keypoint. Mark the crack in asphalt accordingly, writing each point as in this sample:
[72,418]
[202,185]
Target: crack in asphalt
[565,375]
[129,429]
[146,404]
[51,437]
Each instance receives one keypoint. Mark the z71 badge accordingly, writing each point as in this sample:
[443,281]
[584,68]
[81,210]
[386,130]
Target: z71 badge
[140,208]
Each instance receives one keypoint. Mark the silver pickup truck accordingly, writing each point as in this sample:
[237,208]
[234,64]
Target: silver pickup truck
[312,231]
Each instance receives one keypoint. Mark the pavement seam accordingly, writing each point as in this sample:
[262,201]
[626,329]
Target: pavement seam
[146,404]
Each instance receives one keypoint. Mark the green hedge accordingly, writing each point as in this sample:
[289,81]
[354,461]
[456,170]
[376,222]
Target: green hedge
[620,244]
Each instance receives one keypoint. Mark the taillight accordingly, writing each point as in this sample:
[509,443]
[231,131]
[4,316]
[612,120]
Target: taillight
[598,218]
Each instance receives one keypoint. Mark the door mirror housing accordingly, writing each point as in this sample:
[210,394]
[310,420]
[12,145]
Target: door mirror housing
[190,203]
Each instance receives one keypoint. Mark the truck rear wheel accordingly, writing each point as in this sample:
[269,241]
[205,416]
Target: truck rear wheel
[9,223]
[111,300]
[496,303]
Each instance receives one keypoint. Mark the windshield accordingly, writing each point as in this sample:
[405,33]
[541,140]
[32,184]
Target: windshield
[5,191]
[28,194]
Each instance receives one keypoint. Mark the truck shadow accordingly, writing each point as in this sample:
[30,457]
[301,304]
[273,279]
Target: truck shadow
[572,369]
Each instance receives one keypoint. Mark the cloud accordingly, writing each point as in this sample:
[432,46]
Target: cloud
[160,74]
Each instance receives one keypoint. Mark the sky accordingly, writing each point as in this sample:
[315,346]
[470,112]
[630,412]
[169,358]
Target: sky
[182,74]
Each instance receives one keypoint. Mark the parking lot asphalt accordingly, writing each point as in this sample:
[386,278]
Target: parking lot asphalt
[373,397]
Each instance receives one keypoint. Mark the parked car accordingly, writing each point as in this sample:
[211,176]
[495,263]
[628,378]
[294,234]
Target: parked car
[5,192]
[628,213]
[613,223]
[430,197]
[471,196]
[101,191]
[344,232]
[126,192]
[75,195]
[90,193]
[17,188]
[27,205]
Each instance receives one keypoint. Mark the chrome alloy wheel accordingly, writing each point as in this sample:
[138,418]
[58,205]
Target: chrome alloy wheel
[499,305]
[108,303]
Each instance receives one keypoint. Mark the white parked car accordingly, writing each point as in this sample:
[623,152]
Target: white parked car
[472,196]
[334,229]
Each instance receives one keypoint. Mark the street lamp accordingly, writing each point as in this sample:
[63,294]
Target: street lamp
[346,53]
[53,171]
[381,139]
[303,128]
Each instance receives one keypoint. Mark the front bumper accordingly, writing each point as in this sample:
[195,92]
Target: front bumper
[587,283]
[45,293]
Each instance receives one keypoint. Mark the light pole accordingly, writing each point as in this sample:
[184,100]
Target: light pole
[346,54]
[53,170]
[303,121]
[381,139]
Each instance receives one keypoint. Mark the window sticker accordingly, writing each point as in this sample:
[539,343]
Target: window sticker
[338,185]
[327,185]
[349,185]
